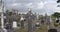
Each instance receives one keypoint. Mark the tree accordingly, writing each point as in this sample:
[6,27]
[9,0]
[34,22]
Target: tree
[58,1]
[56,15]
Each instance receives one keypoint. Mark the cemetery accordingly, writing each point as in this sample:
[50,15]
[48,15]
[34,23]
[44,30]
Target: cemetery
[12,21]
[29,23]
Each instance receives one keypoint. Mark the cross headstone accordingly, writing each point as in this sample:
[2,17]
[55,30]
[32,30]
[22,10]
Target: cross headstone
[30,27]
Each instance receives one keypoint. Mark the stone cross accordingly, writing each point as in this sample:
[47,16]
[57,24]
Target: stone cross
[30,27]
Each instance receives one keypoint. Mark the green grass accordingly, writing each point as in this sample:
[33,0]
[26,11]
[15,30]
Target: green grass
[41,29]
[21,30]
[56,24]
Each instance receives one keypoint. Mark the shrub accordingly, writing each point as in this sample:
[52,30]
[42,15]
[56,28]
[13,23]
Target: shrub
[56,24]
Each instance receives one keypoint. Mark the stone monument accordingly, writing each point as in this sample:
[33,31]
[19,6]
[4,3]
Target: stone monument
[14,24]
[22,22]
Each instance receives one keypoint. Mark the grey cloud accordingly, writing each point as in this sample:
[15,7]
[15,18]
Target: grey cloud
[48,7]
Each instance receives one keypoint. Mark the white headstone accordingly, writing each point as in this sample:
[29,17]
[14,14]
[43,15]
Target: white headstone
[14,24]
[22,18]
[37,23]
[4,30]
[2,20]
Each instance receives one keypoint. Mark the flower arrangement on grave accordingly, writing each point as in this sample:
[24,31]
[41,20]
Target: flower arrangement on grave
[56,24]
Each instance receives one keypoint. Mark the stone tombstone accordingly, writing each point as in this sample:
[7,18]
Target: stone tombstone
[30,28]
[7,26]
[52,30]
[5,30]
[37,24]
[42,21]
[22,22]
[30,19]
[57,21]
[14,24]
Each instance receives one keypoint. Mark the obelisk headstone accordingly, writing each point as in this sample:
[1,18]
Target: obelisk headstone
[2,10]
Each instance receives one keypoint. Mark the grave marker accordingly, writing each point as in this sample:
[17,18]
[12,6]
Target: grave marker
[14,24]
[22,22]
[52,30]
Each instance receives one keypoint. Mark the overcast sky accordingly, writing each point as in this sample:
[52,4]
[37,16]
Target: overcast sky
[38,6]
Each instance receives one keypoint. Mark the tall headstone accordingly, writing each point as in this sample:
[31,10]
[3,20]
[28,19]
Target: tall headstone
[9,25]
[37,16]
[22,22]
[45,18]
[2,14]
[30,28]
[30,25]
[2,9]
[48,22]
[51,23]
[2,20]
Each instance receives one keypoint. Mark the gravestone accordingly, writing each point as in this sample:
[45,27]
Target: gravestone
[22,22]
[5,30]
[9,25]
[14,24]
[37,24]
[52,30]
[57,21]
[30,28]
[30,19]
[42,21]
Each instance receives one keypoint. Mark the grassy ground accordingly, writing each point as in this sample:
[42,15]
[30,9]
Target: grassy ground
[21,30]
[41,29]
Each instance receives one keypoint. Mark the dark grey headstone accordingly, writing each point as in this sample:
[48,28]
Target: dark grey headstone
[37,25]
[57,21]
[42,21]
[22,24]
[52,30]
